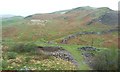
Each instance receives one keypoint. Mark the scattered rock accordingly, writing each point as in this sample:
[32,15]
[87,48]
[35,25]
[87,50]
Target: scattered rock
[64,41]
[87,54]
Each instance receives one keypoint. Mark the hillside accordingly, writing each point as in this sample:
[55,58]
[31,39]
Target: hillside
[82,38]
[92,14]
[54,26]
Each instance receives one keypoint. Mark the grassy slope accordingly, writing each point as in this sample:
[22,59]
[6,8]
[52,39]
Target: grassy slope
[57,26]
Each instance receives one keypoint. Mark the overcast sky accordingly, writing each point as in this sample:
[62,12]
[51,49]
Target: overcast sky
[28,7]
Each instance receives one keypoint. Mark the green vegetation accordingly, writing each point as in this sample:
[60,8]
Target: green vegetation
[34,61]
[24,47]
[105,59]
[11,55]
[38,59]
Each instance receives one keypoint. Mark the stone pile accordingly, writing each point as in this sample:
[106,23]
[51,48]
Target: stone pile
[88,48]
[58,52]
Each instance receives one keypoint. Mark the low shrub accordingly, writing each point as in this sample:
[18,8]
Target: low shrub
[24,47]
[11,55]
[105,60]
[4,64]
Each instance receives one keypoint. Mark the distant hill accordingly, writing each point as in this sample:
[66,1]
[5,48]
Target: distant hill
[6,16]
[88,15]
[11,20]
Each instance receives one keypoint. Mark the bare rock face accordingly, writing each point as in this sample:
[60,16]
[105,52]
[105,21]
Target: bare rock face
[58,52]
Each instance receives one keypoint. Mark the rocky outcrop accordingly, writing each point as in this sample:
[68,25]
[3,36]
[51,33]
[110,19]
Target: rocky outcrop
[109,18]
[65,55]
[88,54]
[58,52]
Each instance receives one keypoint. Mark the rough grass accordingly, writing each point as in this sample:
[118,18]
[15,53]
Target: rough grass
[28,56]
[71,48]
[24,61]
[31,60]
